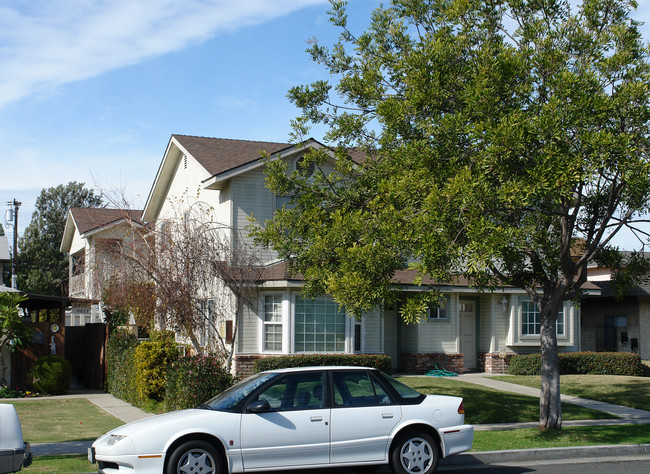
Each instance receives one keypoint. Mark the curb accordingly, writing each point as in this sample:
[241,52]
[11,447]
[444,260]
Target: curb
[545,454]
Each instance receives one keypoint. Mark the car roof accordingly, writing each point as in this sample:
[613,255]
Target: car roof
[318,367]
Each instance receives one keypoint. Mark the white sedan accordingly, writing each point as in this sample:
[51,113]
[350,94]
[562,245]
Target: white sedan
[302,418]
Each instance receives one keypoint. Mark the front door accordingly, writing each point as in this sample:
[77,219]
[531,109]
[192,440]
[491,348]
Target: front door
[296,430]
[467,316]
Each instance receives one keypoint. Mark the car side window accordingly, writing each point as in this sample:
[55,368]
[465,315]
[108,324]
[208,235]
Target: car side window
[356,389]
[298,391]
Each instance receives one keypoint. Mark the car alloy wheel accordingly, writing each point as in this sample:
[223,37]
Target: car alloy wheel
[415,453]
[195,457]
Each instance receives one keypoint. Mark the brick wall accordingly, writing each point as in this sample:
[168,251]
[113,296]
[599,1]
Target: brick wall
[245,364]
[493,362]
[422,363]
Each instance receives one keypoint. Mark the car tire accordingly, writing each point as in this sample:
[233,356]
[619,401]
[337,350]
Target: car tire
[195,456]
[415,452]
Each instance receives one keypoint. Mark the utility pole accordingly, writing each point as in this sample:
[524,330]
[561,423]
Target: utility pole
[14,261]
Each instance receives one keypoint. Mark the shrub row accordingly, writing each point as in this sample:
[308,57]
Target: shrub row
[153,370]
[593,363]
[51,375]
[377,361]
[194,379]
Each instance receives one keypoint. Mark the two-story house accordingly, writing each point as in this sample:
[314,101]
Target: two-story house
[91,238]
[471,331]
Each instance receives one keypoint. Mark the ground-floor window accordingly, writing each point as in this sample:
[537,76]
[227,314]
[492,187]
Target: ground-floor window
[531,320]
[273,323]
[319,325]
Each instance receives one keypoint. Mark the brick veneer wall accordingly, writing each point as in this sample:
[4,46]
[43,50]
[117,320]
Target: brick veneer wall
[245,364]
[494,363]
[422,363]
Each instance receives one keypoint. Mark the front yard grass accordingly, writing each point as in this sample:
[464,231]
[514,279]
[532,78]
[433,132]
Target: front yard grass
[485,405]
[60,465]
[631,392]
[566,437]
[53,421]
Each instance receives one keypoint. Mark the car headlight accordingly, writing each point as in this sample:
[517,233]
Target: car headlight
[115,438]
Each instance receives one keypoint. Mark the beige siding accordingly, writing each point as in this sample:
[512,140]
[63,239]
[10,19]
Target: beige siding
[409,336]
[501,324]
[485,321]
[248,330]
[252,199]
[440,336]
[372,333]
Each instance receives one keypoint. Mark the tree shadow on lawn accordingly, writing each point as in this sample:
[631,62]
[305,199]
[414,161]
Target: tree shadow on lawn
[485,405]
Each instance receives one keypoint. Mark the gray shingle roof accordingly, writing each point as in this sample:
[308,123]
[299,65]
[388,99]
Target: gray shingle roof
[88,219]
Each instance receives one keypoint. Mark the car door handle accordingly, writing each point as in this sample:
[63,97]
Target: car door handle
[316,418]
[387,416]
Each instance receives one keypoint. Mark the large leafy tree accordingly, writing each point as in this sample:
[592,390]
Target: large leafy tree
[506,140]
[13,331]
[43,268]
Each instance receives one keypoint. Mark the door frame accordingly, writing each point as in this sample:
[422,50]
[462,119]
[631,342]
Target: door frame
[477,327]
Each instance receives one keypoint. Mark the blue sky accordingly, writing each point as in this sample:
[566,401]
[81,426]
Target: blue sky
[91,90]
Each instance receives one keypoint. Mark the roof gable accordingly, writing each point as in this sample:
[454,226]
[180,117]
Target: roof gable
[90,220]
[218,155]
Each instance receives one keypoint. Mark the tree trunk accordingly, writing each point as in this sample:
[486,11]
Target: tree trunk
[550,408]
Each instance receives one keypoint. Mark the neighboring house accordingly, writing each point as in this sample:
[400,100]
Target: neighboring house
[472,331]
[90,238]
[5,257]
[616,324]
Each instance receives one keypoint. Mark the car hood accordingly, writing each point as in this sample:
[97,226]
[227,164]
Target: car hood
[159,422]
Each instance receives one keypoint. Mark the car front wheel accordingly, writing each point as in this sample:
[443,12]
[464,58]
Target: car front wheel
[194,457]
[415,453]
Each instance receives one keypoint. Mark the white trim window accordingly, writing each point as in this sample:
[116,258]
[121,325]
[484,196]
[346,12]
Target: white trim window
[272,323]
[319,325]
[440,311]
[531,320]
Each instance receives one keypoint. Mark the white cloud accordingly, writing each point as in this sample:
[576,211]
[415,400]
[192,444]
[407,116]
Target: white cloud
[44,45]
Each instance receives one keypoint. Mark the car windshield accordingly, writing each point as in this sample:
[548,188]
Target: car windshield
[228,399]
[403,391]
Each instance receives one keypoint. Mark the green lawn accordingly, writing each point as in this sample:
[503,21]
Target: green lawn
[485,405]
[48,421]
[567,437]
[60,465]
[631,392]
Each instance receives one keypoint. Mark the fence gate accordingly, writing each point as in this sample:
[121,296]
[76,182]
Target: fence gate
[85,348]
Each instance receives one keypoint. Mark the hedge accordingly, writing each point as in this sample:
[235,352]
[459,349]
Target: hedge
[152,361]
[377,361]
[51,375]
[195,379]
[593,363]
[153,370]
[120,362]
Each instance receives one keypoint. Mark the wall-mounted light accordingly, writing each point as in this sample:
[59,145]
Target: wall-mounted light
[504,303]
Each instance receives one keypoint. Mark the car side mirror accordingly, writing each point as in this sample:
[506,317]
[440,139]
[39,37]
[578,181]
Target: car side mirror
[259,406]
